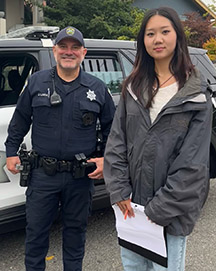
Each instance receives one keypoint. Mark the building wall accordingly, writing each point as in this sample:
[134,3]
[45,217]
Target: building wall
[14,13]
[37,14]
[180,6]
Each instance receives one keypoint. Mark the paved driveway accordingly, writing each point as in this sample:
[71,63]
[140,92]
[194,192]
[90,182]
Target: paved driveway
[102,250]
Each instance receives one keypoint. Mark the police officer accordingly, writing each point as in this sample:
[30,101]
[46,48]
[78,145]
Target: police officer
[63,105]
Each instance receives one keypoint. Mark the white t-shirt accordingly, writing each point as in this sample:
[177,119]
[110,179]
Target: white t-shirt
[161,98]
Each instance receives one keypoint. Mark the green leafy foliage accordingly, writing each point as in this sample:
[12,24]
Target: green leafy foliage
[110,19]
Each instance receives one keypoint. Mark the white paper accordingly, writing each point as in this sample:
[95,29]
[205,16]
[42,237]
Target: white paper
[140,230]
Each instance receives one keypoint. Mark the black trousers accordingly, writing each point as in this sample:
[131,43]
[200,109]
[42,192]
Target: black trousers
[43,197]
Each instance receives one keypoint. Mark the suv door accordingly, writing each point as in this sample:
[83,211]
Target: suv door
[111,67]
[16,65]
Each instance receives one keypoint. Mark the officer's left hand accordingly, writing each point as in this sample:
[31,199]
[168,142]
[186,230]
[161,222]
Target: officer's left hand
[98,173]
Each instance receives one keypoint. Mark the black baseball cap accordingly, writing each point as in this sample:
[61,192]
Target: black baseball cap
[70,32]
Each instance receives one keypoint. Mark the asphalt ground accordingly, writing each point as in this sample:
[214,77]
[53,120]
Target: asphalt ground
[102,250]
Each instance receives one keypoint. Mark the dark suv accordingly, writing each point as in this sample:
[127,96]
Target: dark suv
[110,60]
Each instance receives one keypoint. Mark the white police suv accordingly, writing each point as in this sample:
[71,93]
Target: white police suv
[110,60]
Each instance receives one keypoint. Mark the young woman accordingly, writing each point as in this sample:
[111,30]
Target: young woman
[157,154]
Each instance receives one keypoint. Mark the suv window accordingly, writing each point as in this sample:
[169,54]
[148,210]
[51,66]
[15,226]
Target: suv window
[107,68]
[127,64]
[14,71]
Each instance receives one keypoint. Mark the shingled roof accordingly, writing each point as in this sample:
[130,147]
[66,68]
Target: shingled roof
[211,13]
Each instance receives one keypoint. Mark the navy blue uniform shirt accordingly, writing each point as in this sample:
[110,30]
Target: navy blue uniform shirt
[62,130]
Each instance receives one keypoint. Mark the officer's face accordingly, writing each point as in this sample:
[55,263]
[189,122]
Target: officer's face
[69,54]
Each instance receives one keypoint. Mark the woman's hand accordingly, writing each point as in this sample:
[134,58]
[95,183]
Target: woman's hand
[125,207]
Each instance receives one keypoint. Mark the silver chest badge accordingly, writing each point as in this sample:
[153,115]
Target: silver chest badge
[91,95]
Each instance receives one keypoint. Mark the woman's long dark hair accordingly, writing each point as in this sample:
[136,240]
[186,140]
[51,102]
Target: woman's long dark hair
[143,75]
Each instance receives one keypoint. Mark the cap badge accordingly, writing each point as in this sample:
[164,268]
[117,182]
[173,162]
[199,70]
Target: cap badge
[70,31]
[91,95]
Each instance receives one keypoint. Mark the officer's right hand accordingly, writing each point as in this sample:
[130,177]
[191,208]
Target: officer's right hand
[11,164]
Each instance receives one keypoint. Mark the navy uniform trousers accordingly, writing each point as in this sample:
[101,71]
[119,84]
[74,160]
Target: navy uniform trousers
[43,197]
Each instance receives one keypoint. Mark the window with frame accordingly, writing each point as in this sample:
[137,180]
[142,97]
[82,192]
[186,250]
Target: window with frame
[107,68]
[15,69]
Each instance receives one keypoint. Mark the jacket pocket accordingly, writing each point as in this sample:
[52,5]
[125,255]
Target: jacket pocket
[85,116]
[41,110]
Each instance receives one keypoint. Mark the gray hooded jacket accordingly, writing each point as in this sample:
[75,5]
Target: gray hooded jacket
[163,165]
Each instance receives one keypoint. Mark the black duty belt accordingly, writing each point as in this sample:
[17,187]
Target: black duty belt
[78,166]
[58,165]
